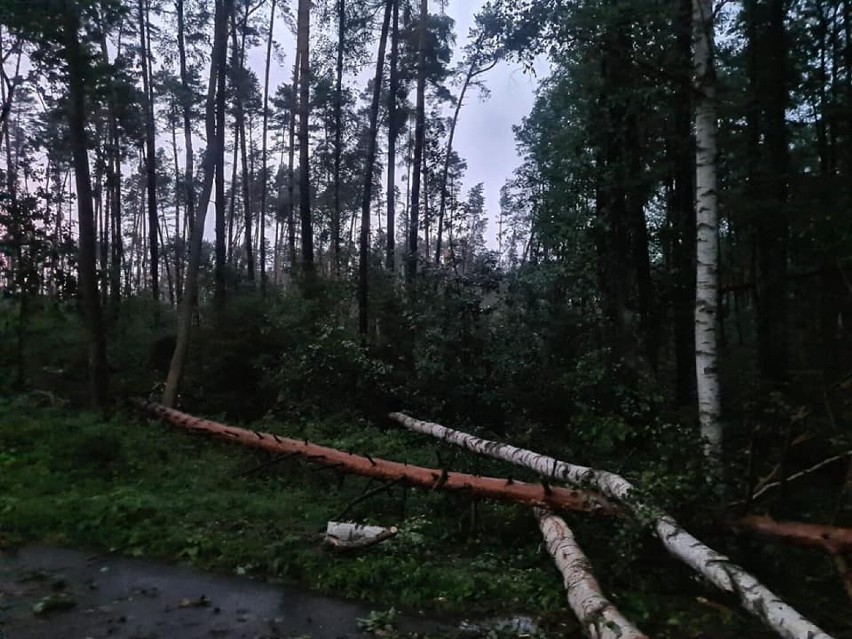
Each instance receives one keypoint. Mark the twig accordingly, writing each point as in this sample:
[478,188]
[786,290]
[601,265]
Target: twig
[366,495]
[800,474]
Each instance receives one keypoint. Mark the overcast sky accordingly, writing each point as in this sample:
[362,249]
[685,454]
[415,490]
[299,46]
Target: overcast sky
[484,135]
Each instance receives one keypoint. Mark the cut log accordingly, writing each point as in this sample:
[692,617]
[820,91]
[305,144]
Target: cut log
[598,617]
[429,478]
[833,540]
[349,536]
[714,566]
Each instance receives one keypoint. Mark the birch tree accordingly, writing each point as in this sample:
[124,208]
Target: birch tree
[707,235]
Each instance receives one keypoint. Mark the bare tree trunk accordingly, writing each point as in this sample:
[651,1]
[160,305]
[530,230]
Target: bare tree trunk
[212,156]
[364,265]
[773,220]
[264,178]
[393,132]
[178,191]
[473,70]
[419,134]
[76,110]
[113,186]
[291,175]
[150,157]
[338,136]
[186,107]
[223,251]
[239,112]
[303,45]
[707,247]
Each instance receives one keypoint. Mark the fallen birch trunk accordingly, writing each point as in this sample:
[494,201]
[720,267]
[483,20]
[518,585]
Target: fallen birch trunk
[714,566]
[429,478]
[349,536]
[598,617]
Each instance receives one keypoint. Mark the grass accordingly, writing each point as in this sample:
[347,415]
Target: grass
[144,490]
[140,488]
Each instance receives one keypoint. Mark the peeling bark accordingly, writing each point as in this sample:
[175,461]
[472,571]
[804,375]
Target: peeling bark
[599,618]
[429,478]
[714,566]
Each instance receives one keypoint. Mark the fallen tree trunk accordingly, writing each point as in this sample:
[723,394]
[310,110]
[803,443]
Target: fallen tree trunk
[349,536]
[833,540]
[430,478]
[599,618]
[714,566]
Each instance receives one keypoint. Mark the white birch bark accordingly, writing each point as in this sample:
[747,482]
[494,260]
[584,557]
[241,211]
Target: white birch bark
[347,531]
[707,246]
[599,618]
[714,566]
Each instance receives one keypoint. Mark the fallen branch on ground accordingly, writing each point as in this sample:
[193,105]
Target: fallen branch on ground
[348,536]
[598,617]
[429,478]
[714,566]
[833,540]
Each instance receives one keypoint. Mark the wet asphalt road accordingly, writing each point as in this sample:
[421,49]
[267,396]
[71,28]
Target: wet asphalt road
[94,596]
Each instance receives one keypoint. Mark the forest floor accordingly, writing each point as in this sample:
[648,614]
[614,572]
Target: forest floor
[129,487]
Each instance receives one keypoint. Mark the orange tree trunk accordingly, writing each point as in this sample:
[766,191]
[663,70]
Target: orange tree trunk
[834,540]
[477,487]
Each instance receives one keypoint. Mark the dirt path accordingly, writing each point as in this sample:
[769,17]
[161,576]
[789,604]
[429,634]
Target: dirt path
[86,596]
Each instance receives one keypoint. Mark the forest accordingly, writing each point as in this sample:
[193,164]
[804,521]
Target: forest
[260,212]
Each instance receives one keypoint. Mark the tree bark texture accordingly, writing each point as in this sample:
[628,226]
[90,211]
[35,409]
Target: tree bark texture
[598,617]
[707,238]
[212,158]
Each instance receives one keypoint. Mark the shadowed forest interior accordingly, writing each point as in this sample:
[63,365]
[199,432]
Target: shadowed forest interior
[260,212]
